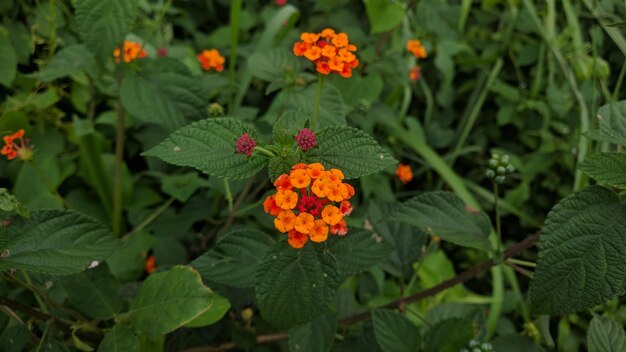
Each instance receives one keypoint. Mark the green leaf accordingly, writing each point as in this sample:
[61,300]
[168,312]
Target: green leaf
[332,110]
[164,93]
[182,187]
[294,286]
[218,309]
[210,146]
[234,259]
[8,59]
[582,253]
[612,124]
[315,336]
[279,165]
[55,242]
[606,168]
[515,343]
[273,64]
[445,215]
[384,15]
[405,239]
[176,297]
[120,339]
[8,202]
[394,332]
[605,335]
[14,338]
[94,292]
[448,335]
[128,262]
[351,150]
[104,24]
[70,60]
[287,126]
[358,251]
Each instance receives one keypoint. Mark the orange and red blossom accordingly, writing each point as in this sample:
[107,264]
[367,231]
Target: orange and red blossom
[16,146]
[404,173]
[310,202]
[150,264]
[211,59]
[415,47]
[331,52]
[415,73]
[132,51]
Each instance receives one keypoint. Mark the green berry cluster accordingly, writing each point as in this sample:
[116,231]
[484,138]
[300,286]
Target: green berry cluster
[499,168]
[475,346]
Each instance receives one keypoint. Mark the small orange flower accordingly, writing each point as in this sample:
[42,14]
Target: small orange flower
[16,146]
[330,51]
[300,178]
[132,51]
[415,47]
[404,173]
[297,239]
[304,223]
[319,232]
[286,200]
[415,73]
[150,264]
[331,215]
[211,59]
[310,202]
[285,221]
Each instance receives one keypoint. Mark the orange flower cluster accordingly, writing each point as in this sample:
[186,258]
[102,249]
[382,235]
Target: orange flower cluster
[16,146]
[404,173]
[309,203]
[211,59]
[330,51]
[132,51]
[414,46]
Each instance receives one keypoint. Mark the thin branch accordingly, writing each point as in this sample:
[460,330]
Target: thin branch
[458,279]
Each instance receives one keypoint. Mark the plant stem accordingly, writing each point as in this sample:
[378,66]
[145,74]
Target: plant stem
[235,14]
[43,337]
[522,262]
[497,298]
[119,160]
[40,301]
[229,194]
[264,151]
[318,98]
[497,210]
[149,219]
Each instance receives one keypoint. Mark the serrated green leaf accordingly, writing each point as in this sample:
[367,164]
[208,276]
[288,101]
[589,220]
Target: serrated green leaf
[349,149]
[210,146]
[515,343]
[406,240]
[605,335]
[612,124]
[582,253]
[72,59]
[449,335]
[8,202]
[394,332]
[218,309]
[8,59]
[384,15]
[332,110]
[176,296]
[315,336]
[104,24]
[94,292]
[165,93]
[272,64]
[294,286]
[235,258]
[120,339]
[445,215]
[358,251]
[55,242]
[606,168]
[278,166]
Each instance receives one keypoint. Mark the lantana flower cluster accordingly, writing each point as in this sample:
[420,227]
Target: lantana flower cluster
[211,59]
[331,52]
[404,173]
[132,51]
[415,47]
[310,202]
[15,145]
